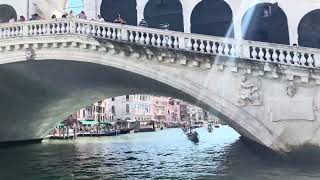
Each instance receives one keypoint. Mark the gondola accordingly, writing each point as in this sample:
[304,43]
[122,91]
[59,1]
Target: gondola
[210,128]
[193,136]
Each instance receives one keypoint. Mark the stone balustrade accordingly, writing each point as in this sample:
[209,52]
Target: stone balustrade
[255,51]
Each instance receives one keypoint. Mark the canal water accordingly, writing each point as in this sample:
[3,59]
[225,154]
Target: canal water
[163,154]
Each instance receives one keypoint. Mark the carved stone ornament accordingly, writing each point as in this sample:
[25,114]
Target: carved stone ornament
[30,54]
[250,92]
[291,89]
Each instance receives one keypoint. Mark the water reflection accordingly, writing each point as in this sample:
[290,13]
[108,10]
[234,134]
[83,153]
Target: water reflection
[160,155]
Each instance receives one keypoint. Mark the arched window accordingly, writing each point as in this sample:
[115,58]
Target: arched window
[169,12]
[126,8]
[309,30]
[212,17]
[6,13]
[267,23]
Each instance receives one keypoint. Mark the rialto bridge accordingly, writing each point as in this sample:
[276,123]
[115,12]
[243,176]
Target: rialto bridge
[267,92]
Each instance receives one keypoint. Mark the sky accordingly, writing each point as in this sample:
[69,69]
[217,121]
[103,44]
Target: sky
[76,6]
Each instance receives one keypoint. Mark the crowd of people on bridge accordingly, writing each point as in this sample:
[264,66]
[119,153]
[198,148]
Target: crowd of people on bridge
[82,15]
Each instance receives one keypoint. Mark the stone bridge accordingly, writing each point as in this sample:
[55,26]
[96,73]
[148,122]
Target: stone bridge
[268,93]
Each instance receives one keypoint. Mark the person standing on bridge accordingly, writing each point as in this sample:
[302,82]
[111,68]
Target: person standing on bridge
[71,14]
[100,19]
[143,23]
[82,15]
[119,20]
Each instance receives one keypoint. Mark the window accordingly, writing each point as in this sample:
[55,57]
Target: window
[127,97]
[112,99]
[113,109]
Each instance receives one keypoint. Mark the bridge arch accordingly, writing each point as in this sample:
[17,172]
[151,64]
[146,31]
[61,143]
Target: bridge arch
[266,22]
[97,75]
[126,8]
[158,12]
[7,12]
[309,29]
[212,18]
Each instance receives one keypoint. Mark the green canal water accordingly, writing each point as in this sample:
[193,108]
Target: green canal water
[163,154]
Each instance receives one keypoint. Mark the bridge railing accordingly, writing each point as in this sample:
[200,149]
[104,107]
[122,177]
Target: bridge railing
[251,50]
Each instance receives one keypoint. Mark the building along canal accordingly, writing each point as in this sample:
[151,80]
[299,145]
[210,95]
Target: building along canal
[163,154]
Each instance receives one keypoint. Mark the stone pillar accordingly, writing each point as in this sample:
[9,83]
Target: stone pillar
[92,8]
[187,8]
[141,4]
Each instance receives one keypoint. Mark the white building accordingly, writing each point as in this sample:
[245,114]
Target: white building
[130,107]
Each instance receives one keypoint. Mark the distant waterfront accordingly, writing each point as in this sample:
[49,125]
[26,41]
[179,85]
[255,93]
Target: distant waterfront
[163,154]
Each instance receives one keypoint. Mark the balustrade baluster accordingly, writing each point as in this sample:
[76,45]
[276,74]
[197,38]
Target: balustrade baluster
[220,48]
[131,37]
[58,29]
[274,56]
[164,41]
[281,57]
[147,39]
[93,31]
[295,58]
[303,59]
[21,31]
[202,46]
[104,32]
[118,34]
[88,31]
[268,55]
[254,53]
[233,52]
[170,42]
[226,49]
[68,28]
[289,58]
[16,31]
[195,45]
[176,43]
[153,40]
[63,28]
[78,29]
[310,60]
[261,54]
[114,35]
[44,29]
[108,33]
[141,40]
[99,31]
[83,29]
[208,47]
[137,37]
[214,48]
[158,40]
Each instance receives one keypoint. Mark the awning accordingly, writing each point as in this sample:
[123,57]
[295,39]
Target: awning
[88,122]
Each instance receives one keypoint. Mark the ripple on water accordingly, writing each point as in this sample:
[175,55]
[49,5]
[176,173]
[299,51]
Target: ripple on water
[163,154]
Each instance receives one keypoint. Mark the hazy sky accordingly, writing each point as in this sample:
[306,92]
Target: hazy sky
[76,6]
